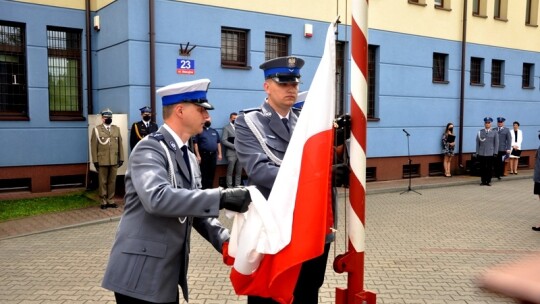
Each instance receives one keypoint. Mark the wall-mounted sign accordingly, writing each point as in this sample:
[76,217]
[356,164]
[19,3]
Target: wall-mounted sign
[185,66]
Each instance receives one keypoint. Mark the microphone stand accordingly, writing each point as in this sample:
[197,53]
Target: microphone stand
[410,162]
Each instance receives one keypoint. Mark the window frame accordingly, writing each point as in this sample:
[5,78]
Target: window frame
[282,45]
[497,73]
[241,49]
[14,62]
[476,71]
[437,68]
[531,13]
[479,8]
[527,76]
[65,44]
[372,81]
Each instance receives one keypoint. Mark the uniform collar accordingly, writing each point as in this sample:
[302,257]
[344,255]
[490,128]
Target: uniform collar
[176,138]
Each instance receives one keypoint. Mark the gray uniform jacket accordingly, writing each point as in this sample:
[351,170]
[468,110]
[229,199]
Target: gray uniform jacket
[487,143]
[227,134]
[505,139]
[260,168]
[149,257]
[536,175]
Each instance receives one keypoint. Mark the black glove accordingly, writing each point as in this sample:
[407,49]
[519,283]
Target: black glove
[120,163]
[96,164]
[342,124]
[340,175]
[235,199]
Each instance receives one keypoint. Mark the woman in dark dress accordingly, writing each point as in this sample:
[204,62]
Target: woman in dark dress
[448,144]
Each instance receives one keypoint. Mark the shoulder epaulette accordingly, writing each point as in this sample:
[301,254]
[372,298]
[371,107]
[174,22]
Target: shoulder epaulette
[157,136]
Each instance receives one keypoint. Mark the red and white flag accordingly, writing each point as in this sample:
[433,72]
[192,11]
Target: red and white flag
[273,239]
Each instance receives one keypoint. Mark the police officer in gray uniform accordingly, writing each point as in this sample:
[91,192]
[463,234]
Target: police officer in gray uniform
[149,257]
[262,138]
[487,143]
[504,148]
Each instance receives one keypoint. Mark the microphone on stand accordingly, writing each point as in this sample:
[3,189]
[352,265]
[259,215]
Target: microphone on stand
[406,132]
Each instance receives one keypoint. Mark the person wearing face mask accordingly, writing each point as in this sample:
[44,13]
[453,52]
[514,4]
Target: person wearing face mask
[142,128]
[207,148]
[448,143]
[233,166]
[107,156]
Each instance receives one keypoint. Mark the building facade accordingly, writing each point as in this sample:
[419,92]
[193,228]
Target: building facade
[430,62]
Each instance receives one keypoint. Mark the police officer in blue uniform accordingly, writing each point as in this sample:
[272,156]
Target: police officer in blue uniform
[487,143]
[207,148]
[143,127]
[262,138]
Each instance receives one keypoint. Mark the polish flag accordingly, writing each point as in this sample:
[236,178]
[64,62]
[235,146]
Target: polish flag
[273,239]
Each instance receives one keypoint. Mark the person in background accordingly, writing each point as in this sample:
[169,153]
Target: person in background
[207,147]
[487,142]
[448,143]
[143,127]
[505,140]
[517,138]
[150,254]
[233,165]
[108,155]
[536,177]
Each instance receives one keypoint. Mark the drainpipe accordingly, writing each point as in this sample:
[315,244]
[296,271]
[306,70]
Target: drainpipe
[152,59]
[89,87]
[462,85]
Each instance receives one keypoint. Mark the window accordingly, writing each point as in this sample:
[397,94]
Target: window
[439,3]
[419,2]
[500,11]
[13,88]
[531,15]
[440,67]
[479,8]
[233,47]
[65,72]
[497,72]
[443,4]
[373,55]
[527,81]
[477,71]
[276,45]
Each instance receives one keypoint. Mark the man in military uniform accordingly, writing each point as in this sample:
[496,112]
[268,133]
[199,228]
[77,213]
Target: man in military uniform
[233,167]
[487,142]
[142,128]
[262,138]
[150,254]
[504,148]
[108,156]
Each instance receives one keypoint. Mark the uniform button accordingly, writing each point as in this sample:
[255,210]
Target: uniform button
[143,250]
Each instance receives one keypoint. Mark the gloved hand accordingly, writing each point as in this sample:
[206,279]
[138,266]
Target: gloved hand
[96,164]
[342,124]
[227,259]
[340,175]
[235,199]
[120,163]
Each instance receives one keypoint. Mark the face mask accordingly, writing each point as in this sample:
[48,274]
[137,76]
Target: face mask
[232,121]
[146,118]
[207,124]
[108,121]
[450,129]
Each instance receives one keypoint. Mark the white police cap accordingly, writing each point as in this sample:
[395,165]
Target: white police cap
[188,91]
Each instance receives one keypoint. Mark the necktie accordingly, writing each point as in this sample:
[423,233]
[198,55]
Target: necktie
[286,123]
[186,158]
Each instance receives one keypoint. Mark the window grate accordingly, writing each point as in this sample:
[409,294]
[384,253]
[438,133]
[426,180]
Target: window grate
[13,80]
[233,47]
[497,72]
[64,60]
[276,45]
[476,70]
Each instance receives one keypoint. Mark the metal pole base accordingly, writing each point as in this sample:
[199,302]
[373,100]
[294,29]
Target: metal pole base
[363,297]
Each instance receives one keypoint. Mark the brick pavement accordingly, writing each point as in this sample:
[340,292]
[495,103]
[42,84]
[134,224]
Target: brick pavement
[424,248]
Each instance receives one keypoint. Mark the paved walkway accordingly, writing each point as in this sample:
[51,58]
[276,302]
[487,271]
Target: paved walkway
[420,248]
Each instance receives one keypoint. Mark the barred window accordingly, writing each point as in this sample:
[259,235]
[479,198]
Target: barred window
[65,73]
[13,80]
[233,47]
[276,45]
[497,72]
[477,71]
[527,81]
[439,67]
[372,80]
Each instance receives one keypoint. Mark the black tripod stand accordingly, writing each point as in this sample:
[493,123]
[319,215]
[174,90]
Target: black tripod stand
[410,168]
